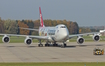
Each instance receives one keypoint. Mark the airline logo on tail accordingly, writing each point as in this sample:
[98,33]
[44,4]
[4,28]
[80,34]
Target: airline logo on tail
[41,19]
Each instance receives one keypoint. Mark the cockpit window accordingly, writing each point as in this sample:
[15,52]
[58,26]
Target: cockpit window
[63,27]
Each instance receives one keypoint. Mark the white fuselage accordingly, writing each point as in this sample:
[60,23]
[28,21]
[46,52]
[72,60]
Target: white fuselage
[58,33]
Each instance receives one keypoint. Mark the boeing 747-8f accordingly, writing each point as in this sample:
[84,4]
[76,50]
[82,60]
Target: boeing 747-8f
[55,34]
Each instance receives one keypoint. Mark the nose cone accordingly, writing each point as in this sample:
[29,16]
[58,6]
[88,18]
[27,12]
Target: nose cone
[65,35]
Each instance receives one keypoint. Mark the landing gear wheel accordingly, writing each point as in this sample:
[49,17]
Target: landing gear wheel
[40,45]
[46,45]
[63,45]
[56,45]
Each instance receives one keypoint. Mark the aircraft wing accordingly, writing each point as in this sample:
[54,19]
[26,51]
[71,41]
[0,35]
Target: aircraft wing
[77,35]
[29,29]
[30,36]
[92,33]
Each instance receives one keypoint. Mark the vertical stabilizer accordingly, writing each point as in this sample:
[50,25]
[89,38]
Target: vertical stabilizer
[41,18]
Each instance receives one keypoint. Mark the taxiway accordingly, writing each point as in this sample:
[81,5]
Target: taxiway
[20,52]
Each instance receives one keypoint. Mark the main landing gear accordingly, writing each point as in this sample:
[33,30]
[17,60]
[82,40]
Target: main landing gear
[40,45]
[46,45]
[49,44]
[63,45]
[55,45]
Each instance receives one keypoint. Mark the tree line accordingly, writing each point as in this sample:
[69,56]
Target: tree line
[12,26]
[90,29]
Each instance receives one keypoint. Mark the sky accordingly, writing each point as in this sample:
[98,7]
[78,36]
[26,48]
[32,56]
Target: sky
[84,12]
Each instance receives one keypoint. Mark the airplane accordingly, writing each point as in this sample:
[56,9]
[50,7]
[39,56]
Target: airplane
[55,34]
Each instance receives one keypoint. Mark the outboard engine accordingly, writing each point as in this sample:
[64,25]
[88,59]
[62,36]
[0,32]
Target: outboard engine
[96,37]
[6,39]
[80,40]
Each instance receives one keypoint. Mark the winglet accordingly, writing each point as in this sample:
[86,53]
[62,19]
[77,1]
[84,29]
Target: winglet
[41,18]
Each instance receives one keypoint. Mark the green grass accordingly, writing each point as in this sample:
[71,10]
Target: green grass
[55,64]
[15,39]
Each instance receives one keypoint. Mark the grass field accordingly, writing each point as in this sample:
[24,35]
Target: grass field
[21,39]
[56,64]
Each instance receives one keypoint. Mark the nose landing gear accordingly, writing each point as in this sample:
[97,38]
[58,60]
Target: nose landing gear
[63,45]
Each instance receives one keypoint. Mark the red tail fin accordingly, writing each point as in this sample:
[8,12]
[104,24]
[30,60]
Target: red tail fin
[41,19]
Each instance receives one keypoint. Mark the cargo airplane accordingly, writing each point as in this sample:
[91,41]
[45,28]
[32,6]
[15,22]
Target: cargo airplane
[55,34]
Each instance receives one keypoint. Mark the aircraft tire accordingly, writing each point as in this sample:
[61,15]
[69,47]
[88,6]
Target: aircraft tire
[40,45]
[63,45]
[46,45]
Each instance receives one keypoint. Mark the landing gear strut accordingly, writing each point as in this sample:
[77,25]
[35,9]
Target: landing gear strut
[40,45]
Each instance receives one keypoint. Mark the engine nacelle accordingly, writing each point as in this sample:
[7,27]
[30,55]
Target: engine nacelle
[80,40]
[96,37]
[28,41]
[6,39]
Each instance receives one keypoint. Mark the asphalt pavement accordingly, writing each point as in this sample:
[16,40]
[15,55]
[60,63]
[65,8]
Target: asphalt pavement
[20,52]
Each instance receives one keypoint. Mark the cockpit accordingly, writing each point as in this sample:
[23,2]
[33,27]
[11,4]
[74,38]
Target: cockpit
[63,27]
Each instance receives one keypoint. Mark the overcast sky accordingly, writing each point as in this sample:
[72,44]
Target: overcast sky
[84,12]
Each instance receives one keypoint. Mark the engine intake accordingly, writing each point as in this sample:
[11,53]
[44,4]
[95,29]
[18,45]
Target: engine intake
[28,41]
[80,40]
[96,37]
[6,39]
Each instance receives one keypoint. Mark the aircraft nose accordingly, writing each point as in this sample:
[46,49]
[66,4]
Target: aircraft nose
[65,35]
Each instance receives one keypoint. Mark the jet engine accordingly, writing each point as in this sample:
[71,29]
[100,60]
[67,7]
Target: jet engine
[80,40]
[96,37]
[6,39]
[28,41]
